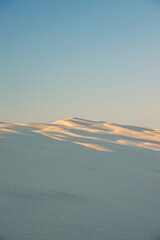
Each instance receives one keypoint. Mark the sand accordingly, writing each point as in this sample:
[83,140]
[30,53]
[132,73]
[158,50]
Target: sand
[77,179]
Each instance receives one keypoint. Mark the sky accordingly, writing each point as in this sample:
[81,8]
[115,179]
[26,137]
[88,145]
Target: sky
[91,59]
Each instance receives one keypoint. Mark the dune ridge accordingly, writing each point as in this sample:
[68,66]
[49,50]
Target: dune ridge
[97,135]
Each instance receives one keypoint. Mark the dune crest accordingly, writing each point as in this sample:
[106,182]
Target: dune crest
[99,135]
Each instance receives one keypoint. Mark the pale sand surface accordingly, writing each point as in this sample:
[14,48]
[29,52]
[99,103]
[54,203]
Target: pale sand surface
[77,179]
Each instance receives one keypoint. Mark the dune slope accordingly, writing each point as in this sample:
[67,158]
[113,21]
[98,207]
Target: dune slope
[79,179]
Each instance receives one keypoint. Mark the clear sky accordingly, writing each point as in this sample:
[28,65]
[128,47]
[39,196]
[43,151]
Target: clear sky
[92,59]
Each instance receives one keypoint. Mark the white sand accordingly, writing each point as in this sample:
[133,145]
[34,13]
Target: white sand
[77,179]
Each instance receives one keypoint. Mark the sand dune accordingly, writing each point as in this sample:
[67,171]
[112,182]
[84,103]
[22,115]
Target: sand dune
[79,179]
[77,130]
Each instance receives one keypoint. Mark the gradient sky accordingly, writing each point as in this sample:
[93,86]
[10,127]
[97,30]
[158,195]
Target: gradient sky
[92,59]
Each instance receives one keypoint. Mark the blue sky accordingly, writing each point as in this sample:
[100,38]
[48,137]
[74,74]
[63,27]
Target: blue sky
[90,59]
